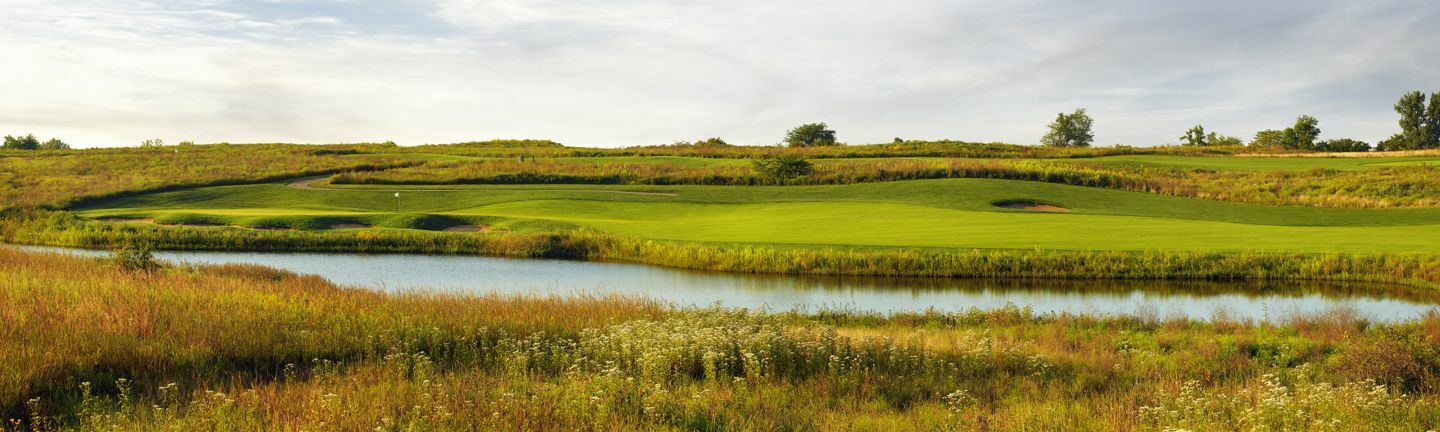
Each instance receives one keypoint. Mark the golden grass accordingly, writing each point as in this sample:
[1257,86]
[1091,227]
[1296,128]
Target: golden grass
[93,347]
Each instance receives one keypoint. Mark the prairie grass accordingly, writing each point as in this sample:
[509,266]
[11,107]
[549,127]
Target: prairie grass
[61,178]
[96,347]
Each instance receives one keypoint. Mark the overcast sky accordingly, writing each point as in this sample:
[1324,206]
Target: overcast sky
[631,72]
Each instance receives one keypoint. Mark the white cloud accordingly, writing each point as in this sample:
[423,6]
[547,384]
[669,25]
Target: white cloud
[623,72]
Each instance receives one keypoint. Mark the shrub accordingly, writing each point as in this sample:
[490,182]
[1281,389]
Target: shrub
[783,167]
[134,257]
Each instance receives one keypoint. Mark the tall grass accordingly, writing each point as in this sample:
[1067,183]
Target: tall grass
[246,348]
[62,178]
[941,148]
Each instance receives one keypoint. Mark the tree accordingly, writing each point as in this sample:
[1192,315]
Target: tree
[1269,138]
[1196,136]
[27,142]
[1070,130]
[1302,136]
[54,144]
[1215,139]
[1419,124]
[149,143]
[1432,116]
[712,142]
[810,135]
[1342,145]
[783,167]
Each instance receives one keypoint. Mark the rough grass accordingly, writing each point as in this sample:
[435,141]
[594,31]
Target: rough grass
[59,179]
[246,348]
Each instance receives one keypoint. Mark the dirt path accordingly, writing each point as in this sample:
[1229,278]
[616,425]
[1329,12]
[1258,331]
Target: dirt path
[309,184]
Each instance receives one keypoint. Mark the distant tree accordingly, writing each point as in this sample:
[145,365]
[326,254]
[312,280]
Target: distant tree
[1342,145]
[782,167]
[54,144]
[1195,137]
[149,143]
[1303,134]
[1388,144]
[1417,123]
[810,135]
[1269,138]
[1432,116]
[1218,140]
[712,142]
[1070,130]
[27,142]
[898,140]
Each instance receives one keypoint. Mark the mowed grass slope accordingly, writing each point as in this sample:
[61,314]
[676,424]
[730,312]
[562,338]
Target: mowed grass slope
[949,213]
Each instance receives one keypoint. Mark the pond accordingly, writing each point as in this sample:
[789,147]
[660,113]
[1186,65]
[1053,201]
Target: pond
[481,275]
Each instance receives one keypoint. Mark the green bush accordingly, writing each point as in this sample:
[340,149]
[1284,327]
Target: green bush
[782,167]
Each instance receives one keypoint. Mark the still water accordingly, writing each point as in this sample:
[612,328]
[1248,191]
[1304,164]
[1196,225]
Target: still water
[480,275]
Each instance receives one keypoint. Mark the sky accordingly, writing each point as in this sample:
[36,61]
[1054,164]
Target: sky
[103,73]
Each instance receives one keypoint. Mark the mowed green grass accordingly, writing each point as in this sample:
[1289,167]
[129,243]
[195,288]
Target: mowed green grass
[949,213]
[899,225]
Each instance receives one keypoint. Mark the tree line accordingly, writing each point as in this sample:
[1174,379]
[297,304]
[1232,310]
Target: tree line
[1419,130]
[29,142]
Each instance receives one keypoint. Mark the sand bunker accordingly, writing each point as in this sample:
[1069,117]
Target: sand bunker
[473,228]
[1033,207]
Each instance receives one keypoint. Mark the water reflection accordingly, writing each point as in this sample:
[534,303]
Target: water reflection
[1194,299]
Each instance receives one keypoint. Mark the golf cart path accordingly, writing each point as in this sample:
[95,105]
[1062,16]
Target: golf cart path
[308,183]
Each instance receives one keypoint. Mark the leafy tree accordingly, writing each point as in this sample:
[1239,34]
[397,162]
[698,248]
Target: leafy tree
[27,142]
[1215,139]
[1419,123]
[54,144]
[782,167]
[1432,115]
[1269,138]
[149,143]
[1342,145]
[712,142]
[1302,136]
[1196,136]
[810,135]
[1070,130]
